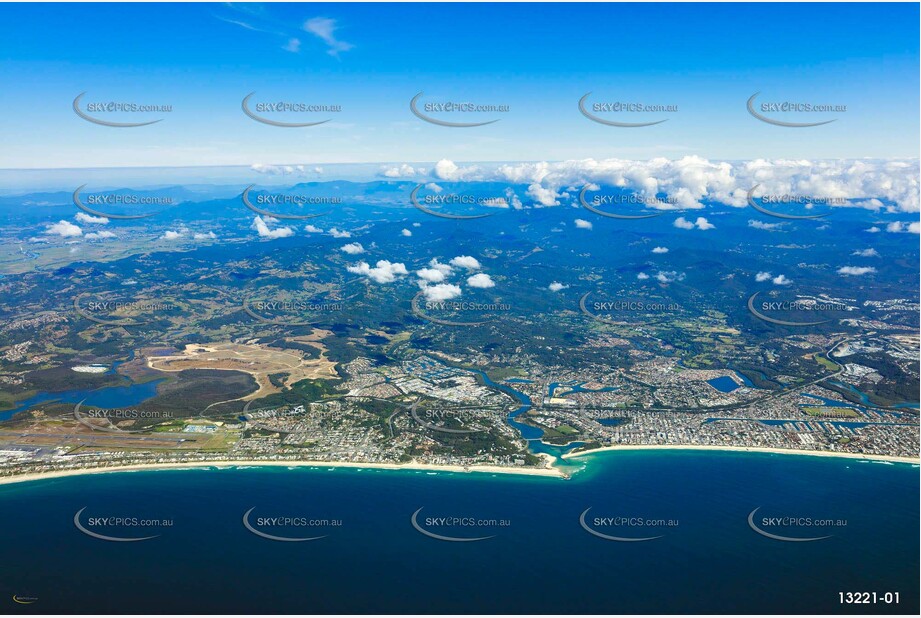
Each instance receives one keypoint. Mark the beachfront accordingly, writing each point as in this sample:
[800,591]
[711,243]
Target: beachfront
[546,471]
[743,449]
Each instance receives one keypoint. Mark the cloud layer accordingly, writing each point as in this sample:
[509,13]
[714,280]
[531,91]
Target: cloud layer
[691,182]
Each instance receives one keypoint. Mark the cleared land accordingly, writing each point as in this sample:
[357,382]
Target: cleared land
[258,361]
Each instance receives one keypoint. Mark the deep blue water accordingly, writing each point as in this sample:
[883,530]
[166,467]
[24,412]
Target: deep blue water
[723,384]
[864,398]
[543,562]
[108,397]
[746,381]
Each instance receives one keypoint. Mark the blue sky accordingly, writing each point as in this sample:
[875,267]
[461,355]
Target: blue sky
[371,59]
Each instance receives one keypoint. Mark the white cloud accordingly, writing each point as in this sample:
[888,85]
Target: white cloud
[703,224]
[383,272]
[856,271]
[466,261]
[900,226]
[512,198]
[337,233]
[480,280]
[761,225]
[172,235]
[101,235]
[401,171]
[202,236]
[434,263]
[293,45]
[642,276]
[669,276]
[781,280]
[871,204]
[82,217]
[867,253]
[582,224]
[763,276]
[556,286]
[660,250]
[353,248]
[448,170]
[325,28]
[432,275]
[434,188]
[542,195]
[405,232]
[65,229]
[281,170]
[873,230]
[441,292]
[312,229]
[691,182]
[263,230]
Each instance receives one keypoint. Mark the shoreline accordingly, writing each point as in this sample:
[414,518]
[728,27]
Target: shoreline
[39,476]
[547,471]
[742,449]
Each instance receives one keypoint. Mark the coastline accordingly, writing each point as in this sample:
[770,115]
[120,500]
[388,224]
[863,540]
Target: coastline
[24,478]
[742,449]
[547,471]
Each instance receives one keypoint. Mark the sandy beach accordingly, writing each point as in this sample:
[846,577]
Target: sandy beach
[22,478]
[742,449]
[546,471]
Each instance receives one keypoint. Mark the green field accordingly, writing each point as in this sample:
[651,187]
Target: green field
[830,411]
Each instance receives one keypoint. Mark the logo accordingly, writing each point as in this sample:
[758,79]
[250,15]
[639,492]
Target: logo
[459,415]
[619,521]
[24,600]
[454,522]
[112,106]
[449,305]
[790,306]
[114,522]
[283,106]
[127,200]
[287,311]
[622,107]
[413,197]
[789,521]
[106,309]
[283,522]
[627,307]
[583,306]
[790,107]
[786,199]
[108,414]
[453,107]
[597,211]
[281,199]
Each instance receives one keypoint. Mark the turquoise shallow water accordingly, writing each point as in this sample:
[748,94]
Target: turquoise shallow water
[538,557]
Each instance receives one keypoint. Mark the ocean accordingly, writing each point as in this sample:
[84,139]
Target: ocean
[376,546]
